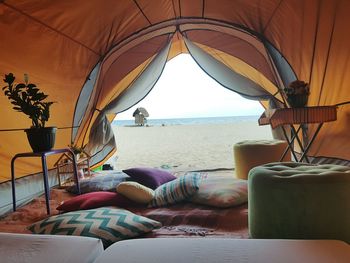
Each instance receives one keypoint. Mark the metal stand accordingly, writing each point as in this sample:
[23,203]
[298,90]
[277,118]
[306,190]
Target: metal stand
[43,156]
[298,116]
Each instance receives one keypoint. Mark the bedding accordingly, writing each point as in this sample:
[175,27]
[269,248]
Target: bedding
[46,248]
[223,250]
[179,220]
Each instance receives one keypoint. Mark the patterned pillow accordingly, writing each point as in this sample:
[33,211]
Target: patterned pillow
[177,190]
[150,177]
[107,182]
[108,224]
[135,192]
[221,191]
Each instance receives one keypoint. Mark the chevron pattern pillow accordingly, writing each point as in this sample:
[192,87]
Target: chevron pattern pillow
[108,224]
[177,190]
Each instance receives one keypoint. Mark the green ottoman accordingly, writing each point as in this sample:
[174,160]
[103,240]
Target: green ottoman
[299,201]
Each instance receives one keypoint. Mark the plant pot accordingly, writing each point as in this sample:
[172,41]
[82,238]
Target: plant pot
[41,139]
[297,100]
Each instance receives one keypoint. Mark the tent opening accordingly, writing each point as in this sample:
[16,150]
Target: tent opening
[193,123]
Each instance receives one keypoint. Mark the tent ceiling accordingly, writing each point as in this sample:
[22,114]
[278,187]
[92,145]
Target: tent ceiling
[58,43]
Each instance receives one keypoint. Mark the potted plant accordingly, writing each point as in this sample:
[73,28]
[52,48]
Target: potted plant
[297,93]
[27,98]
[79,153]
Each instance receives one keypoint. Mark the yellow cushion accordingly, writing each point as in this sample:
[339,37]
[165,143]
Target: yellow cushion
[136,192]
[251,153]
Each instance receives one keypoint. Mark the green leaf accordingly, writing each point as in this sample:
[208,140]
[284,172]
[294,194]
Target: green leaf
[9,78]
[24,95]
[31,86]
[20,86]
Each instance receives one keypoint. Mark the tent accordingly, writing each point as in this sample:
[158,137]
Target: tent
[98,58]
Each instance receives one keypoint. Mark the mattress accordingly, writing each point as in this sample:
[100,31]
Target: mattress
[220,250]
[20,248]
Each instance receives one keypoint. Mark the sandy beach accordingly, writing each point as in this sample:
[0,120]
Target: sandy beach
[183,147]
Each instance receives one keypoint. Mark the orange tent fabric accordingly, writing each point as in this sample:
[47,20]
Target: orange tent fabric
[59,43]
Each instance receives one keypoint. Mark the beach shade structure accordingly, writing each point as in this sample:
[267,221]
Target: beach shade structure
[96,59]
[140,115]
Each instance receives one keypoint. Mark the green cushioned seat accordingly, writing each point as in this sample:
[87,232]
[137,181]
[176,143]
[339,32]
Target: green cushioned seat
[299,201]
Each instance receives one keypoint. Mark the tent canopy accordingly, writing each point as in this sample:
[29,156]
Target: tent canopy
[97,58]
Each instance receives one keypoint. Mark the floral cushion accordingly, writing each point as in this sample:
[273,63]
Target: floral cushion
[108,224]
[221,191]
[177,190]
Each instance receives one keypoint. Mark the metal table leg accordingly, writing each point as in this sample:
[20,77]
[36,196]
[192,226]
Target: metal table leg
[299,143]
[46,183]
[311,141]
[43,156]
[13,183]
[290,143]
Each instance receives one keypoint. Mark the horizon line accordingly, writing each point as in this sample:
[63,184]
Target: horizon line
[169,118]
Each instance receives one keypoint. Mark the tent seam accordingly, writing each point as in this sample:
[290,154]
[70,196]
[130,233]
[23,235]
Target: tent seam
[203,7]
[172,1]
[138,6]
[271,17]
[180,8]
[51,28]
[328,54]
[314,48]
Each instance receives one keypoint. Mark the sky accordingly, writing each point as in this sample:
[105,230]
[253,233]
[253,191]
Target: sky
[185,91]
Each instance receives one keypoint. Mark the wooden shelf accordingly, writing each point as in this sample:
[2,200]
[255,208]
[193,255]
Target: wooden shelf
[64,168]
[306,115]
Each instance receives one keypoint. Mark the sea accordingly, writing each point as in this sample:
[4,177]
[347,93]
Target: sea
[190,121]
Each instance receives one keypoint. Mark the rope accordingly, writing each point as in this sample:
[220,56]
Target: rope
[22,129]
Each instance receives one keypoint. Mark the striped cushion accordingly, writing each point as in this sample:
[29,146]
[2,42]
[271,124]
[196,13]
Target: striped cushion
[177,190]
[108,224]
[221,191]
